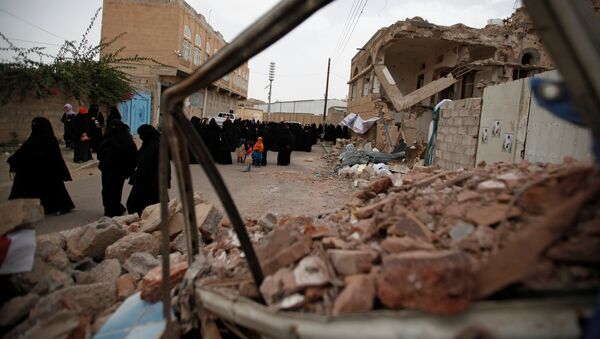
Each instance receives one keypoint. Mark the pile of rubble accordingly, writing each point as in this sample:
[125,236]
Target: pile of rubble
[81,276]
[362,162]
[437,243]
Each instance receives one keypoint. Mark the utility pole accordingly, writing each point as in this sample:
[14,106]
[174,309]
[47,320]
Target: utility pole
[271,78]
[326,92]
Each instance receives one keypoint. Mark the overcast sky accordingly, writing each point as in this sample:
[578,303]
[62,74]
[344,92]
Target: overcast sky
[301,56]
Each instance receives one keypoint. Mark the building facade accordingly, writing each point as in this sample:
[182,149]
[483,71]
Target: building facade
[407,68]
[180,40]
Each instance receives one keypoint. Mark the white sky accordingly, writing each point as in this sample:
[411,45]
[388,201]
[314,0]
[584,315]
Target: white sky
[301,56]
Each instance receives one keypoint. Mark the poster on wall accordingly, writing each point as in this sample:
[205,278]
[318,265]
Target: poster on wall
[497,129]
[508,143]
[485,135]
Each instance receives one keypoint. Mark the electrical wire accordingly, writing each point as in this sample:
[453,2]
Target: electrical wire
[342,32]
[31,24]
[355,23]
[353,17]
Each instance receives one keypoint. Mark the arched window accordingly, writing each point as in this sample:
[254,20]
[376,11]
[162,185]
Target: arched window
[197,55]
[527,59]
[198,40]
[187,45]
[186,49]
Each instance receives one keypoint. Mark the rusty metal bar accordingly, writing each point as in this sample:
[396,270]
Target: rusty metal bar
[178,133]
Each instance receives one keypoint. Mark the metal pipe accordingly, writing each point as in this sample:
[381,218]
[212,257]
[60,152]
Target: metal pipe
[269,28]
[556,318]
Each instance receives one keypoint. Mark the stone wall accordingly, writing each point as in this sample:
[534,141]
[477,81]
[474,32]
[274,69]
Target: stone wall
[16,116]
[458,128]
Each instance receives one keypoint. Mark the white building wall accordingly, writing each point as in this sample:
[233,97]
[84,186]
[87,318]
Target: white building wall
[301,106]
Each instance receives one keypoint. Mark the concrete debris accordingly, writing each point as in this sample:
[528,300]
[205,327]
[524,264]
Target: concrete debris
[126,286]
[461,231]
[123,248]
[92,239]
[208,219]
[140,263]
[437,243]
[108,270]
[16,309]
[268,221]
[413,246]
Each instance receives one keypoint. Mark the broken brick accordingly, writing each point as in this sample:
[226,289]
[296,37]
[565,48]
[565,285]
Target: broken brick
[490,215]
[491,186]
[285,246]
[126,286]
[439,282]
[151,285]
[405,244]
[408,225]
[358,296]
[466,196]
[348,262]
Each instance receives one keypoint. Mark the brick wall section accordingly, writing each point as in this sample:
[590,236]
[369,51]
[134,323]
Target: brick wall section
[458,129]
[16,116]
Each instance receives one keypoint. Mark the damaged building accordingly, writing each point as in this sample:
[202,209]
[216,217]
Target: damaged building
[405,69]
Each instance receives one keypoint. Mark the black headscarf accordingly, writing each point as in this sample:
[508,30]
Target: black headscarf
[118,152]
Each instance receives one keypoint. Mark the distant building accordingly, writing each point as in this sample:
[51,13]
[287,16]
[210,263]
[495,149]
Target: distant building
[174,34]
[408,67]
[314,107]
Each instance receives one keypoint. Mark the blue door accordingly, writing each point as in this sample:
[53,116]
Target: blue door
[136,111]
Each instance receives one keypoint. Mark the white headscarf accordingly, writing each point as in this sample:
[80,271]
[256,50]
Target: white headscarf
[70,110]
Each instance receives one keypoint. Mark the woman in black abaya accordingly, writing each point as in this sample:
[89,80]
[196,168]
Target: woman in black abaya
[286,144]
[117,155]
[40,170]
[82,127]
[145,178]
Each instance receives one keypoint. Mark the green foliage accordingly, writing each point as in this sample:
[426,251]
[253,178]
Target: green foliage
[77,70]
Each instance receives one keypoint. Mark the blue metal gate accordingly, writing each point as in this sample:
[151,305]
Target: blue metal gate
[136,111]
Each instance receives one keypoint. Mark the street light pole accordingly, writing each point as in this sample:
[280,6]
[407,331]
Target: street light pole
[271,78]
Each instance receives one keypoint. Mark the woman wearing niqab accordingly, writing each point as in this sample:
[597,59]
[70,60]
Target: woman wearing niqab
[40,171]
[117,155]
[145,178]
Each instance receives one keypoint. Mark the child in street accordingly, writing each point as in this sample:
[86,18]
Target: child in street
[258,148]
[248,157]
[240,153]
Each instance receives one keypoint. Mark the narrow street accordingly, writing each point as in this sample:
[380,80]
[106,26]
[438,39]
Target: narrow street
[299,189]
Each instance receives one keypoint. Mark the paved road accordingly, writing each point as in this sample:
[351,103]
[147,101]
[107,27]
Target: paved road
[300,188]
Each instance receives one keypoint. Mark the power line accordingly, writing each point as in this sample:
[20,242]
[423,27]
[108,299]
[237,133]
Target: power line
[345,24]
[31,24]
[353,17]
[35,42]
[355,23]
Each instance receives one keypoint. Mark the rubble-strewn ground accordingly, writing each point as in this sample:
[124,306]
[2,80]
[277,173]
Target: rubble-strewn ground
[301,188]
[424,239]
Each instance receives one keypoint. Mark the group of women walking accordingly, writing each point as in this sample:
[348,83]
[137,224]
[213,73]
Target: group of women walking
[39,169]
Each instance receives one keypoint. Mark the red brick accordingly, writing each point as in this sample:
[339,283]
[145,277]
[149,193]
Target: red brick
[358,296]
[404,244]
[433,282]
[151,285]
[348,262]
[490,215]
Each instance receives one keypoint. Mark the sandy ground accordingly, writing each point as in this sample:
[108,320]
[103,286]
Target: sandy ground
[303,188]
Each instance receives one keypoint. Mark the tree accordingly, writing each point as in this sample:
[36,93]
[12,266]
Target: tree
[78,70]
